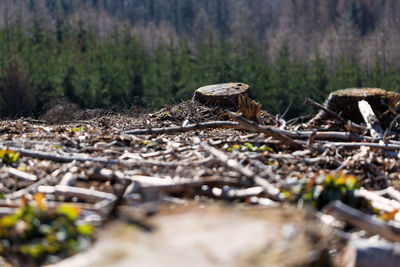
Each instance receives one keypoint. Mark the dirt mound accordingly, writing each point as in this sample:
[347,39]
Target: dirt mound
[63,111]
[194,112]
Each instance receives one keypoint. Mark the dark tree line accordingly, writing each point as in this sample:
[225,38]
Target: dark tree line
[168,48]
[118,71]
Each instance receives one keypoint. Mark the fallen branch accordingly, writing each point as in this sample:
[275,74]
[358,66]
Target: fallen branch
[234,193]
[16,142]
[393,193]
[198,126]
[21,175]
[360,144]
[60,158]
[302,134]
[81,193]
[364,221]
[266,202]
[373,125]
[329,135]
[149,180]
[394,204]
[183,187]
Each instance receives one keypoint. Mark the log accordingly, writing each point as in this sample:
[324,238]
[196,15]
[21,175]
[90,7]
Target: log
[224,95]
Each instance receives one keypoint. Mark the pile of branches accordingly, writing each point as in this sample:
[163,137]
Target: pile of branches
[124,167]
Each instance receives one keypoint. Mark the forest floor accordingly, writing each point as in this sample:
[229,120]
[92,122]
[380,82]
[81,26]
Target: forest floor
[193,185]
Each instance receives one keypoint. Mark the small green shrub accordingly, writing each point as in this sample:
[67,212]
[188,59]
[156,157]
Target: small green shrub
[9,157]
[323,188]
[35,234]
[249,147]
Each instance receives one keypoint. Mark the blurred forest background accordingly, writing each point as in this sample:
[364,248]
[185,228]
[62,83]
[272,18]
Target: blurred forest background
[118,53]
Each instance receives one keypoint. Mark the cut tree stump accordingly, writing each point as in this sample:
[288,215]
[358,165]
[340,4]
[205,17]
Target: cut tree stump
[224,95]
[345,102]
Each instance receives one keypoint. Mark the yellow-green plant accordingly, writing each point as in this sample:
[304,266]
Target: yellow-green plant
[323,188]
[80,129]
[249,147]
[9,157]
[36,235]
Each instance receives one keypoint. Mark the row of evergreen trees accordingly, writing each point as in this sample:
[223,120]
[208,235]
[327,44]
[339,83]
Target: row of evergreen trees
[118,71]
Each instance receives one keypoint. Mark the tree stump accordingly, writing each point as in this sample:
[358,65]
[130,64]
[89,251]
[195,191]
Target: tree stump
[345,102]
[224,95]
